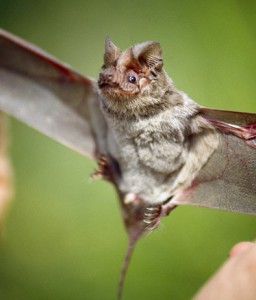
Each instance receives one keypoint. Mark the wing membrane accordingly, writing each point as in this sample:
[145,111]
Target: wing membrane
[228,180]
[45,94]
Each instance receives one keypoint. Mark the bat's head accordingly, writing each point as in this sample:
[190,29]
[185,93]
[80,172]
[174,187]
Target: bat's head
[133,81]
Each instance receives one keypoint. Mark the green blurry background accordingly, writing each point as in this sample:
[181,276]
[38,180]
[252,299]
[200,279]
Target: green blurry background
[64,237]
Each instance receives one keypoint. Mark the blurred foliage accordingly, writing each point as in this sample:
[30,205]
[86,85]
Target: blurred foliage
[64,237]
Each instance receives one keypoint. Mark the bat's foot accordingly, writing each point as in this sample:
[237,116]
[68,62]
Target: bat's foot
[103,171]
[152,216]
[154,213]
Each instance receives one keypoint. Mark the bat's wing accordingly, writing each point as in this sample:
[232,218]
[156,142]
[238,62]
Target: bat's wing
[46,94]
[228,180]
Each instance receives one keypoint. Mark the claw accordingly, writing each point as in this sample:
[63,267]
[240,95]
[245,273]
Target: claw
[103,171]
[147,221]
[154,208]
[152,216]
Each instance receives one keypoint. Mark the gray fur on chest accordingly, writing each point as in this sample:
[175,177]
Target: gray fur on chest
[150,151]
[157,142]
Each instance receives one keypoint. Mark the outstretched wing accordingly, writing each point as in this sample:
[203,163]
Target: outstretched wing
[46,94]
[228,180]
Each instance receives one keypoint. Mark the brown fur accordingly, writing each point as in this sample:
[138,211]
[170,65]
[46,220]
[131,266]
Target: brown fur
[155,133]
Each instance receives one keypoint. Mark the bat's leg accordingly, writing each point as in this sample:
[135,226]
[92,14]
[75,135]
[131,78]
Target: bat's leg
[104,170]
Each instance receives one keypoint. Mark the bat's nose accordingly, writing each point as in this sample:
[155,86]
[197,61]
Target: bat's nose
[110,77]
[106,77]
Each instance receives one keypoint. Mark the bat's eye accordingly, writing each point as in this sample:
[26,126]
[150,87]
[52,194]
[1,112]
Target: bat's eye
[132,79]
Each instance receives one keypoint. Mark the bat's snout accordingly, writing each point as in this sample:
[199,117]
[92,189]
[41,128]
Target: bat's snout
[107,78]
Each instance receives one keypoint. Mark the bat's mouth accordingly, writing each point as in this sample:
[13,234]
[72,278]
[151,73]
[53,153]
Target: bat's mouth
[109,89]
[113,90]
[107,85]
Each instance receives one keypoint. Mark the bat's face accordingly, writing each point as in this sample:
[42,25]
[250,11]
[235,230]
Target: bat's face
[122,77]
[132,81]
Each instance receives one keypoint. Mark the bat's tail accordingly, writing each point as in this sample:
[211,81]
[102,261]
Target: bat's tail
[126,261]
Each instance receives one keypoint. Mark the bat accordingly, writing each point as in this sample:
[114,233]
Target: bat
[159,148]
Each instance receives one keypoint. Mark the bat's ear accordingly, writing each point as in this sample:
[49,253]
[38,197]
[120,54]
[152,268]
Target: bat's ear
[111,52]
[149,53]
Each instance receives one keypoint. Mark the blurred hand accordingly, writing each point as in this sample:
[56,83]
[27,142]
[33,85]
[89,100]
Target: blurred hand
[236,279]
